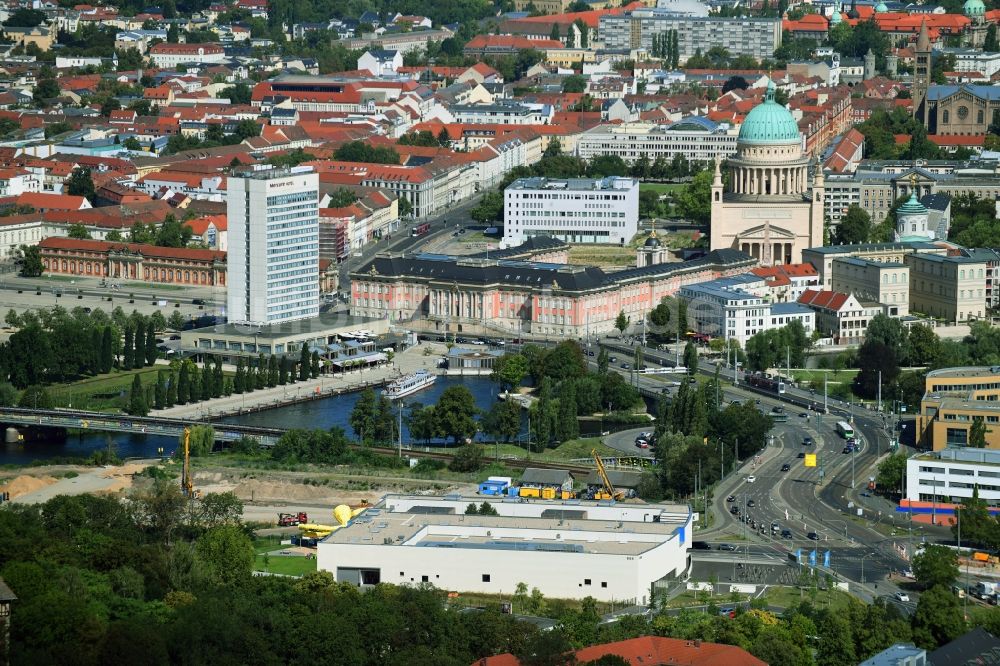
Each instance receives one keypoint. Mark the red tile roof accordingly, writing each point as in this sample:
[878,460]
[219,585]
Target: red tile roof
[845,149]
[188,253]
[199,225]
[957,140]
[654,651]
[185,49]
[808,23]
[511,42]
[48,201]
[828,300]
[592,18]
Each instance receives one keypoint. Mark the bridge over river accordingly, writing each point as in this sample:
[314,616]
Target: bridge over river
[137,425]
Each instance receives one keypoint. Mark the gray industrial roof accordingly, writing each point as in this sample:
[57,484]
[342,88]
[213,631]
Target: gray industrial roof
[551,477]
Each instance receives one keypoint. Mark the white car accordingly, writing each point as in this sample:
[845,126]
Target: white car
[751,478]
[902,596]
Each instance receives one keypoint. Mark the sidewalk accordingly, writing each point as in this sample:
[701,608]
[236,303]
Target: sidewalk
[323,386]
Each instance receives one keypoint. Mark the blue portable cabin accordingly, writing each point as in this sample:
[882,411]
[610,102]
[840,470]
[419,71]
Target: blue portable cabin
[492,487]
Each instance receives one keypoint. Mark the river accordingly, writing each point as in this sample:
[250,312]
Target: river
[325,413]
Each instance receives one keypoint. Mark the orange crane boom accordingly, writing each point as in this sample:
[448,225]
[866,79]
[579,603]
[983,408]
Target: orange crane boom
[187,485]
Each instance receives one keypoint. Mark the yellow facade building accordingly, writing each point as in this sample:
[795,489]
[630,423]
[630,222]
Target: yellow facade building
[953,398]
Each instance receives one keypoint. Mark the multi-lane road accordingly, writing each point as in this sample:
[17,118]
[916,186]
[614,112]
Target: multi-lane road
[812,508]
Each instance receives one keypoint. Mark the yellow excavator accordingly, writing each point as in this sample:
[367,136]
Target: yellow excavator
[608,492]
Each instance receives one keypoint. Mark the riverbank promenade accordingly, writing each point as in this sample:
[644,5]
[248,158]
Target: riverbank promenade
[405,362]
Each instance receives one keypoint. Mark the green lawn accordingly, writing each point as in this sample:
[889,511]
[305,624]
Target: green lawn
[575,448]
[101,393]
[288,565]
[661,188]
[602,255]
[833,376]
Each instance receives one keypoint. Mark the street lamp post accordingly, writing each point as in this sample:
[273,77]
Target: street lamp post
[863,557]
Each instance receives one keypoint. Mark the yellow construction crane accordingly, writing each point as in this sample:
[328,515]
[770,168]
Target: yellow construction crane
[187,486]
[609,491]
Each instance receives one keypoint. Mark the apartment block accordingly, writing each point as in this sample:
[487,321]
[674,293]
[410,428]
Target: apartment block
[757,37]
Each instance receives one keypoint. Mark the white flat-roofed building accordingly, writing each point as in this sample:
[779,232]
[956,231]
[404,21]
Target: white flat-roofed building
[724,310]
[951,474]
[975,60]
[273,255]
[736,308]
[502,113]
[567,549]
[696,138]
[576,210]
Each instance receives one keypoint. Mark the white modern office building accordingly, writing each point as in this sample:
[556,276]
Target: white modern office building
[729,309]
[273,257]
[951,474]
[567,549]
[577,210]
[698,139]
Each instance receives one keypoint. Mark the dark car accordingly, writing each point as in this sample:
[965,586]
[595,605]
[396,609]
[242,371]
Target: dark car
[700,545]
[735,510]
[785,467]
[626,366]
[813,536]
[175,337]
[731,498]
[727,546]
[786,533]
[197,301]
[802,454]
[750,503]
[847,449]
[807,441]
[804,415]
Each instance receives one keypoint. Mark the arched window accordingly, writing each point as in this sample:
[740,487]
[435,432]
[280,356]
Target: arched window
[979,116]
[944,117]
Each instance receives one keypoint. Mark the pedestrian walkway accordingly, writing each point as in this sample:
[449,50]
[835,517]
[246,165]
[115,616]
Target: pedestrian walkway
[403,363]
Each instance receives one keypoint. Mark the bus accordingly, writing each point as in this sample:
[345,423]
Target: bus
[420,229]
[845,430]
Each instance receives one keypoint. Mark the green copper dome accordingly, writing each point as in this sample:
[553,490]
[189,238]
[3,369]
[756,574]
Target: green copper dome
[769,123]
[881,8]
[836,18]
[912,207]
[974,8]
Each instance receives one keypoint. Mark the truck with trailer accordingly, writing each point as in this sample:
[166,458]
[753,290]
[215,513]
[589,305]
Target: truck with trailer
[986,590]
[292,519]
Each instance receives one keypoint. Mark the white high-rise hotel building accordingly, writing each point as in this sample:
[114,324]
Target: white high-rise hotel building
[273,261]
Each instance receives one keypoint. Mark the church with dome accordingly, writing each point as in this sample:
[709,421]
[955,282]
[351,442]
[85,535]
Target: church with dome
[771,208]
